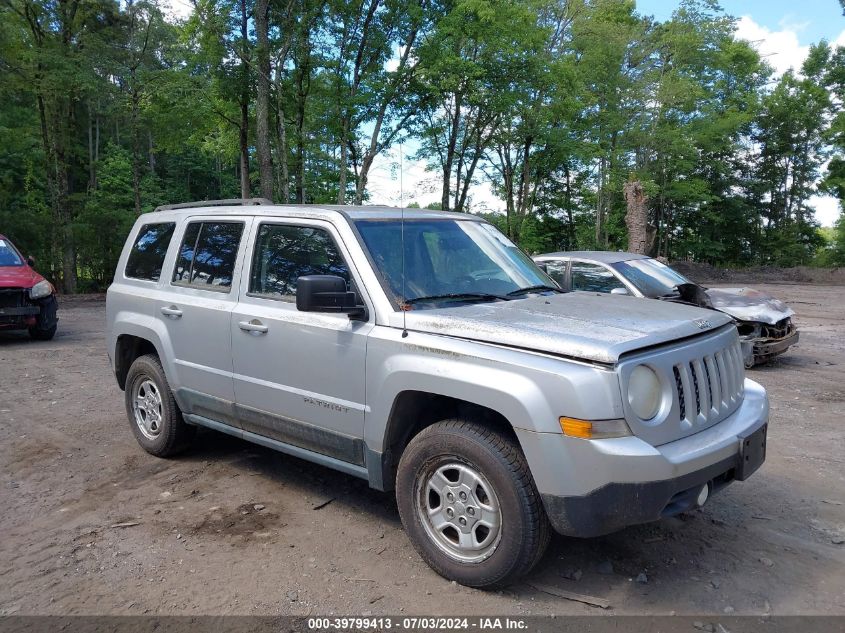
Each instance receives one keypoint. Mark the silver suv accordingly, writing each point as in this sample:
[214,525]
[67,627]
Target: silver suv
[425,353]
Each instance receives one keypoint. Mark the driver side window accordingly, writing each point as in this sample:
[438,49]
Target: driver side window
[593,278]
[283,253]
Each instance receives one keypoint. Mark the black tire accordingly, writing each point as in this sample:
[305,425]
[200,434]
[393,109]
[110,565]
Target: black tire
[37,334]
[172,434]
[47,322]
[525,530]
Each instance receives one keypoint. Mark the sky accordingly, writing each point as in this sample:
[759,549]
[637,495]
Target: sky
[781,30]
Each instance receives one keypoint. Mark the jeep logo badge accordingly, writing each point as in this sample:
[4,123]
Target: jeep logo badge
[702,324]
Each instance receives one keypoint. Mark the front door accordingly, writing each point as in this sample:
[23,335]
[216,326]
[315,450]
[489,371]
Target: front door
[299,376]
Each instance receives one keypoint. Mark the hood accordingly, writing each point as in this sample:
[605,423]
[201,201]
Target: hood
[18,277]
[595,327]
[747,304]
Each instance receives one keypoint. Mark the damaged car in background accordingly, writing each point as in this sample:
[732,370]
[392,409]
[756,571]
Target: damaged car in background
[27,300]
[764,323]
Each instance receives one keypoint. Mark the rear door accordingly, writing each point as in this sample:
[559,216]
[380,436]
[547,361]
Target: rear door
[299,376]
[196,311]
[591,277]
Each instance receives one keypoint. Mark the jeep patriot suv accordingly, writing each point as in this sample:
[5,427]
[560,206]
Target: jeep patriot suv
[424,352]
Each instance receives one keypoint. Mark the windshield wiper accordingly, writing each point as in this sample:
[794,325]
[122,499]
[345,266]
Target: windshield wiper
[458,296]
[538,288]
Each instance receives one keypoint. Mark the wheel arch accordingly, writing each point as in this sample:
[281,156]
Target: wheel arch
[412,412]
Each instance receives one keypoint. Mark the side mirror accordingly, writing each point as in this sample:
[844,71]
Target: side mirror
[30,261]
[619,291]
[327,293]
[543,266]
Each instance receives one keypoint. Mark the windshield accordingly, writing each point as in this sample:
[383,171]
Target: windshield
[8,255]
[448,258]
[651,277]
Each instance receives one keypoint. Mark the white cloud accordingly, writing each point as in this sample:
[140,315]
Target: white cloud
[826,209]
[179,9]
[781,49]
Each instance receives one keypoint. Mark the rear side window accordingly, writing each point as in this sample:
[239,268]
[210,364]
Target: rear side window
[207,255]
[285,253]
[593,278]
[147,255]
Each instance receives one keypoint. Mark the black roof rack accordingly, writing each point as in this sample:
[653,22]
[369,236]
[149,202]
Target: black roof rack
[231,202]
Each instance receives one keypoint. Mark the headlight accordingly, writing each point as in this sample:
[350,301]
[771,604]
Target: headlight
[40,290]
[644,392]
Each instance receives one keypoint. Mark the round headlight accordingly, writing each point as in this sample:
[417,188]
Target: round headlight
[644,392]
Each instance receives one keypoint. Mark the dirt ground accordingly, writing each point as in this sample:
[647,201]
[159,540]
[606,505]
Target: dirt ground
[91,524]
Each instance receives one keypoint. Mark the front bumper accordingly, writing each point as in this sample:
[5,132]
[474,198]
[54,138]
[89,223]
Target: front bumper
[18,317]
[594,487]
[40,313]
[767,348]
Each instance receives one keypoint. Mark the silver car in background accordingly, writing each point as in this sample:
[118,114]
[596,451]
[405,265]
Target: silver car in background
[764,323]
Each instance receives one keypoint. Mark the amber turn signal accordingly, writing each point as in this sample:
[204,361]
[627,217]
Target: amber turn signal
[576,428]
[595,429]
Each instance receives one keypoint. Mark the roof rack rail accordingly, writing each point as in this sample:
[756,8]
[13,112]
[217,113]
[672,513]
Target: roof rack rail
[231,202]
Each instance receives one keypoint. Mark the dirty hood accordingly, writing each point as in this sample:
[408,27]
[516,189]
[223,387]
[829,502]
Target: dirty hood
[595,327]
[747,304]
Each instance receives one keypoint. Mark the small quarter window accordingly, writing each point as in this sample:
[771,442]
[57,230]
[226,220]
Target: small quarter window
[557,271]
[207,255]
[147,255]
[283,253]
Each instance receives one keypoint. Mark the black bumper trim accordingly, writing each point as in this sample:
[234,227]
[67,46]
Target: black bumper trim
[618,505]
[22,311]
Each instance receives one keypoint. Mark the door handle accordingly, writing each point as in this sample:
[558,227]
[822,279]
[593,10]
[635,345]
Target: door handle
[172,311]
[253,326]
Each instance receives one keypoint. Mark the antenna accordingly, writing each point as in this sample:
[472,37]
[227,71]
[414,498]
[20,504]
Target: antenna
[404,306]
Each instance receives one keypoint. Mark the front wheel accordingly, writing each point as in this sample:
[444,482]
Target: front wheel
[469,505]
[154,417]
[47,322]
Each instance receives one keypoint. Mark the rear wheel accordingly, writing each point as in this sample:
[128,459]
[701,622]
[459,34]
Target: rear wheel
[154,417]
[469,504]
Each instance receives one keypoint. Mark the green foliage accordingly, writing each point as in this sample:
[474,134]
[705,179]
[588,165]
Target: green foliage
[104,222]
[107,109]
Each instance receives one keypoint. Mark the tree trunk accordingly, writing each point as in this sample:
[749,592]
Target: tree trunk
[91,165]
[344,158]
[636,217]
[450,151]
[244,103]
[151,153]
[262,103]
[136,146]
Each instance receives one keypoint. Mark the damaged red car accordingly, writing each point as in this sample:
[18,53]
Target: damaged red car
[27,300]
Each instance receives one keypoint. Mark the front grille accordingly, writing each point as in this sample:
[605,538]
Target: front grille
[12,297]
[779,330]
[709,387]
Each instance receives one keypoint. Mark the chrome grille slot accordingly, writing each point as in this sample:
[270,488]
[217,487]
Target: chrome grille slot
[708,387]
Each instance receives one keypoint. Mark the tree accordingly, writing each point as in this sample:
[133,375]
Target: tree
[475,54]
